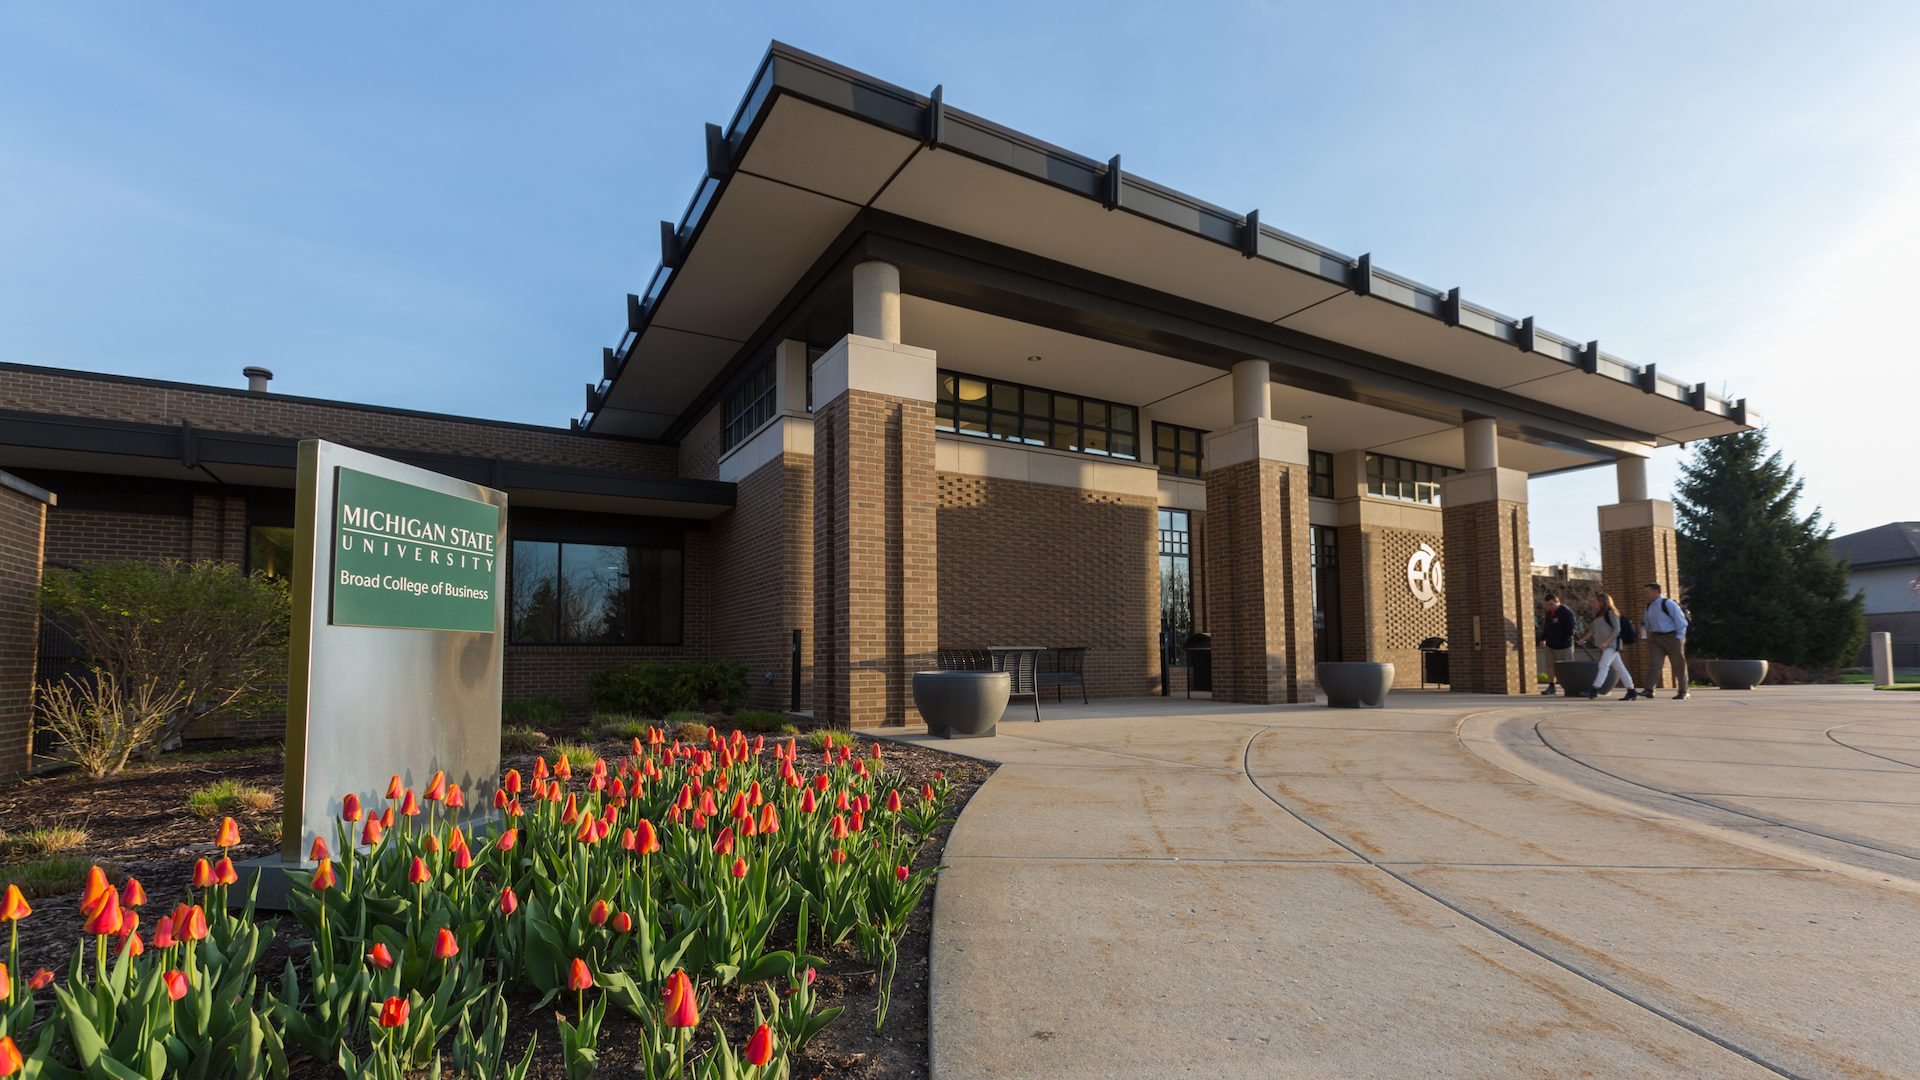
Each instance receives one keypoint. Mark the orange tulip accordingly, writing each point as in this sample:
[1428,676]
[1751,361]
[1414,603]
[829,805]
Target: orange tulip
[379,956]
[511,782]
[418,873]
[350,811]
[623,922]
[431,844]
[163,934]
[393,787]
[723,844]
[41,980]
[444,945]
[132,894]
[760,1046]
[437,787]
[455,797]
[409,805]
[647,839]
[193,926]
[322,876]
[563,768]
[10,1059]
[106,917]
[319,850]
[739,868]
[680,1010]
[807,803]
[93,894]
[629,840]
[893,801]
[578,977]
[202,874]
[15,908]
[386,819]
[509,903]
[371,832]
[394,1013]
[176,984]
[597,914]
[229,833]
[6,984]
[769,818]
[539,768]
[224,873]
[508,839]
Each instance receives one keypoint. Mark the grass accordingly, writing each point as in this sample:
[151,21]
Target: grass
[820,738]
[763,720]
[691,731]
[533,712]
[619,726]
[578,755]
[220,754]
[1861,678]
[51,875]
[519,739]
[1902,686]
[684,716]
[42,841]
[226,797]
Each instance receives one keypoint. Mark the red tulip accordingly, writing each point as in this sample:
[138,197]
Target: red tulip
[41,980]
[839,827]
[648,838]
[840,803]
[163,934]
[444,945]
[16,907]
[723,844]
[393,787]
[511,782]
[562,768]
[229,834]
[629,840]
[437,787]
[418,872]
[859,821]
[507,840]
[462,858]
[371,832]
[455,797]
[379,956]
[597,914]
[224,873]
[319,850]
[839,856]
[769,818]
[807,803]
[106,917]
[821,781]
[6,984]
[202,874]
[350,811]
[10,1059]
[760,1046]
[739,868]
[430,844]
[572,813]
[680,1010]
[94,893]
[394,1013]
[322,876]
[900,873]
[386,819]
[539,768]
[409,805]
[623,922]
[509,903]
[176,984]
[578,977]
[189,923]
[132,894]
[499,798]
[893,801]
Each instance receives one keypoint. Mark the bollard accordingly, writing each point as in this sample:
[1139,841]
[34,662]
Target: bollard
[1882,646]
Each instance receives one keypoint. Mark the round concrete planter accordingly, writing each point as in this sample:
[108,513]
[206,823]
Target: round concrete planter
[1354,684]
[1737,674]
[1576,676]
[961,704]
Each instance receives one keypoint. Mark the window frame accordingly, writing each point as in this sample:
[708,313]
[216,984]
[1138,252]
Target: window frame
[1036,418]
[750,405]
[1173,544]
[1412,481]
[632,619]
[1180,450]
[1320,474]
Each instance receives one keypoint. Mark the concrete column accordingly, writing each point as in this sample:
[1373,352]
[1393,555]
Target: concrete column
[1482,438]
[790,377]
[1489,576]
[1637,546]
[1252,391]
[1258,563]
[1630,473]
[1880,644]
[876,301]
[875,566]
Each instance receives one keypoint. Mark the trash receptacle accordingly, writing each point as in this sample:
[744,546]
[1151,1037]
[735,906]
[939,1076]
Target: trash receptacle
[1433,662]
[1199,649]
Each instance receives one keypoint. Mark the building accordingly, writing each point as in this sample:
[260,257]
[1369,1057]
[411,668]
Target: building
[1884,564]
[905,379]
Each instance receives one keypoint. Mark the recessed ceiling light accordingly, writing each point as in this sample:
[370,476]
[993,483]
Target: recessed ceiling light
[1033,359]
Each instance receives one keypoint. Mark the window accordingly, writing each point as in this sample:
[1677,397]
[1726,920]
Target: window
[1176,450]
[749,406]
[1176,578]
[1325,562]
[1398,478]
[270,550]
[1320,474]
[992,409]
[594,594]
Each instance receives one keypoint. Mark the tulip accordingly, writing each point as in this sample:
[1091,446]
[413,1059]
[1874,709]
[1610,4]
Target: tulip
[106,917]
[840,803]
[393,787]
[893,801]
[739,868]
[562,768]
[322,876]
[224,873]
[16,907]
[176,984]
[509,903]
[499,798]
[629,840]
[680,1011]
[839,827]
[511,782]
[760,1046]
[6,984]
[462,858]
[859,821]
[41,980]
[350,811]
[229,834]
[539,768]
[371,832]
[163,937]
[437,787]
[597,914]
[10,1059]
[444,945]
[578,977]
[379,956]
[507,840]
[821,782]
[900,873]
[394,1013]
[319,850]
[648,838]
[723,844]
[839,856]
[386,819]
[623,922]
[572,812]
[455,797]
[132,894]
[418,872]
[807,804]
[94,893]
[189,923]
[409,805]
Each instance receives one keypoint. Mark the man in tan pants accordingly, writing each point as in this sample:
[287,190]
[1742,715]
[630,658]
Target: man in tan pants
[1666,627]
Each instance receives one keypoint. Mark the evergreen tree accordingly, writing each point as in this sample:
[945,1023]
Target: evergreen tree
[1763,582]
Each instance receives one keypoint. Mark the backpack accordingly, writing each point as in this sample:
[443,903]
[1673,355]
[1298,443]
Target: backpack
[1628,633]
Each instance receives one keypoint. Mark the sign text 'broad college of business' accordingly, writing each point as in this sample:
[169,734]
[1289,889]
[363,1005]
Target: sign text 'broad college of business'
[407,557]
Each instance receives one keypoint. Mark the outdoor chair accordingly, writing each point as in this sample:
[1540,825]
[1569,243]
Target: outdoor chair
[1064,667]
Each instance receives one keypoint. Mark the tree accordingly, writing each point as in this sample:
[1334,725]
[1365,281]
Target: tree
[1762,581]
[166,644]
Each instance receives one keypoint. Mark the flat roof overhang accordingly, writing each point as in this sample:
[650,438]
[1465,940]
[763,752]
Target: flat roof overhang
[37,441]
[819,156]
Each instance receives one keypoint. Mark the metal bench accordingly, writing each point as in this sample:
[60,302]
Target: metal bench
[1019,661]
[1063,667]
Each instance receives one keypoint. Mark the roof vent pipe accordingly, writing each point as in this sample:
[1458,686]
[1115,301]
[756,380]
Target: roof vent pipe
[257,379]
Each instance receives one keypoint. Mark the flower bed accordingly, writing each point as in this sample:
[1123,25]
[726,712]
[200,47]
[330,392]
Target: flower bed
[681,896]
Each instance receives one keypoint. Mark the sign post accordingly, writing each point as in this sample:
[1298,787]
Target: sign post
[399,587]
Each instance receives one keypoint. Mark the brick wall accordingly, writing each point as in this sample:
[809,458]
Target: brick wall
[766,592]
[48,390]
[78,536]
[22,532]
[699,452]
[1041,564]
[1259,592]
[1629,558]
[1380,618]
[1489,577]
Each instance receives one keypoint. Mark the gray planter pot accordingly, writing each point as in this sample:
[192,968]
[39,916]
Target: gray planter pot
[1737,674]
[961,704]
[1576,676]
[1354,684]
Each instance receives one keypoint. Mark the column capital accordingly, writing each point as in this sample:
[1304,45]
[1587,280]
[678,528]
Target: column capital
[1640,514]
[875,367]
[1257,440]
[1484,485]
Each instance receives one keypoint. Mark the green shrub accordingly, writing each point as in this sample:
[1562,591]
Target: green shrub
[578,755]
[651,688]
[683,717]
[521,740]
[224,798]
[541,711]
[619,726]
[51,876]
[43,840]
[762,720]
[820,738]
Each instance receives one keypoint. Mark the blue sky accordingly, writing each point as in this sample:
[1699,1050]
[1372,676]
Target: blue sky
[441,206]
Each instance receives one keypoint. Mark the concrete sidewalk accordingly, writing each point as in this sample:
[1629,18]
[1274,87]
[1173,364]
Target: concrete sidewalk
[1160,888]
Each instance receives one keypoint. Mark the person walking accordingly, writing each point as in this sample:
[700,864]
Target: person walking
[1603,633]
[1666,627]
[1556,637]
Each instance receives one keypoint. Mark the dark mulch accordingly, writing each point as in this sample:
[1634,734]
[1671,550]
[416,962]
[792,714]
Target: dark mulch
[140,825]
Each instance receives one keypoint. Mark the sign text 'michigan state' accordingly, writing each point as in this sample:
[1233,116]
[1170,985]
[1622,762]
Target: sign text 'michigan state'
[410,557]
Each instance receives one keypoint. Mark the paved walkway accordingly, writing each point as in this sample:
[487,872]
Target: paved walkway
[1457,886]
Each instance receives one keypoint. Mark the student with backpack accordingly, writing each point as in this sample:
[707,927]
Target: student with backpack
[1608,630]
[1666,626]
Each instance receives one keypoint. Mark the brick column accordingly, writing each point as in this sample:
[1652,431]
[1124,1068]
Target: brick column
[23,534]
[1258,566]
[1637,546]
[219,529]
[1489,581]
[875,581]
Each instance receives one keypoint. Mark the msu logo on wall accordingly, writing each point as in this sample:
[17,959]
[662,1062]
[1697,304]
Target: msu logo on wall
[1426,578]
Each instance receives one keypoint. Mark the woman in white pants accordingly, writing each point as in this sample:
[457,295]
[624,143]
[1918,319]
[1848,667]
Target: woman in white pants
[1603,632]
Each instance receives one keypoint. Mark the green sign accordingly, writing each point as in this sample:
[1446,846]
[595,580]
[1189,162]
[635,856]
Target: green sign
[407,557]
